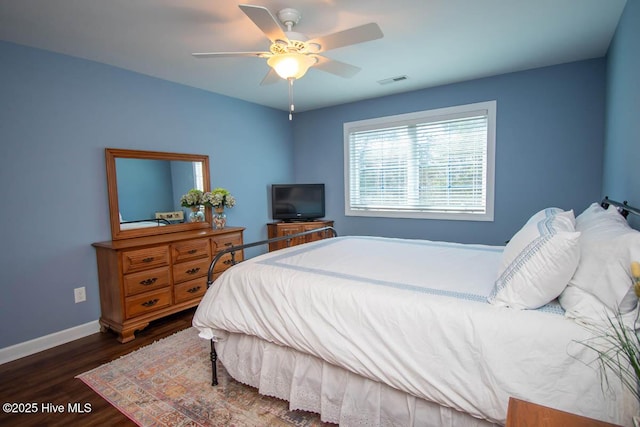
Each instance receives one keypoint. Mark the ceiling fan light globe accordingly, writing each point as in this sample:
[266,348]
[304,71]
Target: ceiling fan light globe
[291,65]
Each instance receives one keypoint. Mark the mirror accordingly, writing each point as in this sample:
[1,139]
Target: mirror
[145,189]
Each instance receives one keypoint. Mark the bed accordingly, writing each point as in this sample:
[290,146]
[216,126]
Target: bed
[143,223]
[384,331]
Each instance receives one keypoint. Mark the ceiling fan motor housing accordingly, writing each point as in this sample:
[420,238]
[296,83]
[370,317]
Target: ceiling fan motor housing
[289,17]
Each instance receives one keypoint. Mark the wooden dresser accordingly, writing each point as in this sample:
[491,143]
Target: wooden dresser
[146,278]
[279,229]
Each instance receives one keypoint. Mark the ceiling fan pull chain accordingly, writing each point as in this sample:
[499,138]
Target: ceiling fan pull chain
[291,107]
[291,54]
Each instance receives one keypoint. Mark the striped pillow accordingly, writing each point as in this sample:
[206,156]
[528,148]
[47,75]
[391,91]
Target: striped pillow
[538,262]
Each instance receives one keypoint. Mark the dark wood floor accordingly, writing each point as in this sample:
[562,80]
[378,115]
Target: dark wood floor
[48,377]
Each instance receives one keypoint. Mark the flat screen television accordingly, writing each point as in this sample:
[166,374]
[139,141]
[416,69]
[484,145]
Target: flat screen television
[297,202]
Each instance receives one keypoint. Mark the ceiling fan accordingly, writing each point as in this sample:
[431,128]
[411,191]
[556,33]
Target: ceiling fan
[291,54]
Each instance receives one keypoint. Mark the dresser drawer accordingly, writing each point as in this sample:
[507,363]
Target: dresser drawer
[189,290]
[223,242]
[147,302]
[190,270]
[192,249]
[319,235]
[136,283]
[225,261]
[142,259]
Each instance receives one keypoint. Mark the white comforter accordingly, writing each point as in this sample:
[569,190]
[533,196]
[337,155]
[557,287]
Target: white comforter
[413,314]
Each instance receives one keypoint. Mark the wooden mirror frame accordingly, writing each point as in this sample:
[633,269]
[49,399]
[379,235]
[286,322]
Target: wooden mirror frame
[111,154]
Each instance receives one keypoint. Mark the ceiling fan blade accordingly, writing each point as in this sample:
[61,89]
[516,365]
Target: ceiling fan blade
[271,78]
[336,67]
[363,33]
[228,54]
[265,21]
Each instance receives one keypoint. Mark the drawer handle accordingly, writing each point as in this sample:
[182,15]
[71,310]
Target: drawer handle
[193,270]
[149,281]
[193,290]
[192,251]
[227,262]
[228,244]
[149,259]
[150,303]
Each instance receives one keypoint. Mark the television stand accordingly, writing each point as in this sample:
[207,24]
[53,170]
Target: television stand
[286,228]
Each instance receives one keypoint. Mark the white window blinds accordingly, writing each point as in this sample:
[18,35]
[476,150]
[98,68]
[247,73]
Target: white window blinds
[435,162]
[198,180]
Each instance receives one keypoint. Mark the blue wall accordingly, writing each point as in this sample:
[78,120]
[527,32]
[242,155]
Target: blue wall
[145,187]
[622,147]
[58,115]
[549,148]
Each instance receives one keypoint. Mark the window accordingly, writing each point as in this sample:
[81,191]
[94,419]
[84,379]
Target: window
[198,176]
[198,180]
[436,164]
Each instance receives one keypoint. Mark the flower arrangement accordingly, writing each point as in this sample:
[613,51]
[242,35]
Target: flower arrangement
[218,198]
[192,199]
[618,345]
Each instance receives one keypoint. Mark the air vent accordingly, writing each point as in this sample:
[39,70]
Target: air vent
[392,80]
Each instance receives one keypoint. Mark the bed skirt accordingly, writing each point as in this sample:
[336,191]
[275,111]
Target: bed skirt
[339,396]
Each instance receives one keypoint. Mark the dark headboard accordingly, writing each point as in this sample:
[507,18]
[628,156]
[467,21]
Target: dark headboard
[623,207]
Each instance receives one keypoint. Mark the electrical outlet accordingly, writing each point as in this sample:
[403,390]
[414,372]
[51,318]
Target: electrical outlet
[80,294]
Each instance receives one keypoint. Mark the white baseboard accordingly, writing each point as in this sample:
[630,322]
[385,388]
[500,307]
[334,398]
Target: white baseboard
[46,342]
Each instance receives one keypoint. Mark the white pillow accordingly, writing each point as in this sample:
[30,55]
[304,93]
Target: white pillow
[589,215]
[604,270]
[585,308]
[608,245]
[542,223]
[544,213]
[537,263]
[582,306]
[597,223]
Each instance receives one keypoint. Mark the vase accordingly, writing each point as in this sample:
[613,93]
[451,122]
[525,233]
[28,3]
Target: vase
[196,214]
[219,218]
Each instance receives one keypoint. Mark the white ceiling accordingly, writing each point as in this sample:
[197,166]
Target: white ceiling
[432,42]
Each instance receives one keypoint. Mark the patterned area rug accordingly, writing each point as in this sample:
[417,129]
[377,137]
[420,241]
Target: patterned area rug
[168,383]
